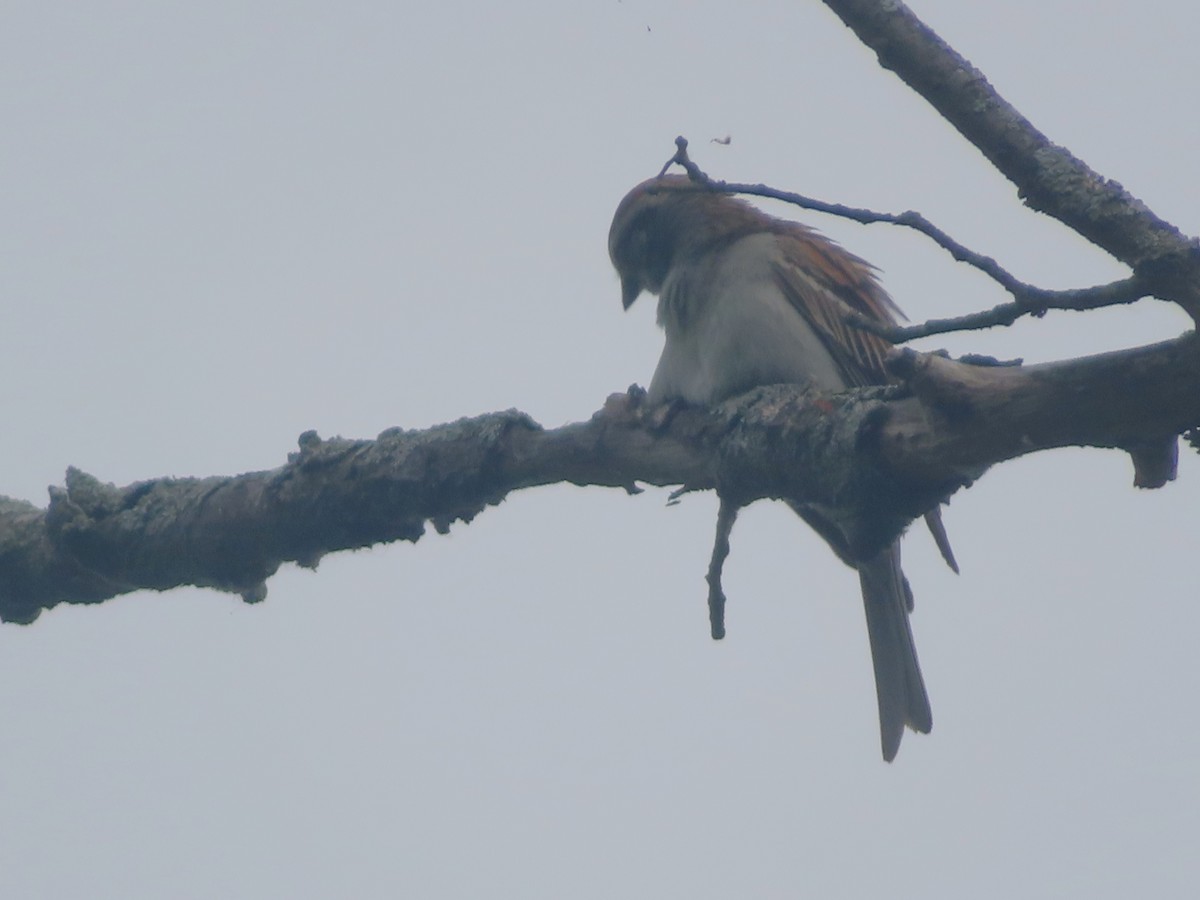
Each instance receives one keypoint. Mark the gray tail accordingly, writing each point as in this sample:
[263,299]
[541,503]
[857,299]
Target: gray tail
[898,683]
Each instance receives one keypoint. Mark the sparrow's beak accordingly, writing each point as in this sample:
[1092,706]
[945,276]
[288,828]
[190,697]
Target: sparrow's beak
[631,289]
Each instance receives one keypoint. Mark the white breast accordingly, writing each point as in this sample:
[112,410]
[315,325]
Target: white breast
[729,327]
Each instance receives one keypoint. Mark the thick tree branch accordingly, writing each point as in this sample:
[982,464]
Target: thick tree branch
[1048,177]
[873,459]
[1135,400]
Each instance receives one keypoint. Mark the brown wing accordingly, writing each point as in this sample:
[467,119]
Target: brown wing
[824,283]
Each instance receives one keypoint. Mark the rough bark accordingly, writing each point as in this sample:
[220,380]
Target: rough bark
[873,459]
[1047,176]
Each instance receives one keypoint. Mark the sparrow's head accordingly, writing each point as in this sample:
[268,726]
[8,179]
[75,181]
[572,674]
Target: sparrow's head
[668,220]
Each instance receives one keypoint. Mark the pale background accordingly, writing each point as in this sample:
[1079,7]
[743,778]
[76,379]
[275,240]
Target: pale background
[224,223]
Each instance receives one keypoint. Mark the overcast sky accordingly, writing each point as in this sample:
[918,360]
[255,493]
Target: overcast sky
[224,223]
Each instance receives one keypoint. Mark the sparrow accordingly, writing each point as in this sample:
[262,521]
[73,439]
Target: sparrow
[747,299]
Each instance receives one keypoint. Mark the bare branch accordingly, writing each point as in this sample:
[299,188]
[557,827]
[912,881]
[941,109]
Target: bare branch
[1115,294]
[726,516]
[1048,177]
[873,459]
[1030,300]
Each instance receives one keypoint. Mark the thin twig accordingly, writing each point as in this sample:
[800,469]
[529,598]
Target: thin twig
[1028,299]
[1126,291]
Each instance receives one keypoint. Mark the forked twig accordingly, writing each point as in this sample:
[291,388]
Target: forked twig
[1029,300]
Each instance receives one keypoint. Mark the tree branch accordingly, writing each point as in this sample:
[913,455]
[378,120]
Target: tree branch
[1115,294]
[1048,177]
[1028,299]
[874,460]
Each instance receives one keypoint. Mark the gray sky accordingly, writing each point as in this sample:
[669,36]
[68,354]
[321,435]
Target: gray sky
[225,223]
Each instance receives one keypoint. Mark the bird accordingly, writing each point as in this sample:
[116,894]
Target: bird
[747,299]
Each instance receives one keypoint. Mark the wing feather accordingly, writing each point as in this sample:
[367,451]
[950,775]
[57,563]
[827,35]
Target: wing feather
[824,283]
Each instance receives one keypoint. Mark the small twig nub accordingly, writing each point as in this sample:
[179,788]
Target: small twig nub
[726,516]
